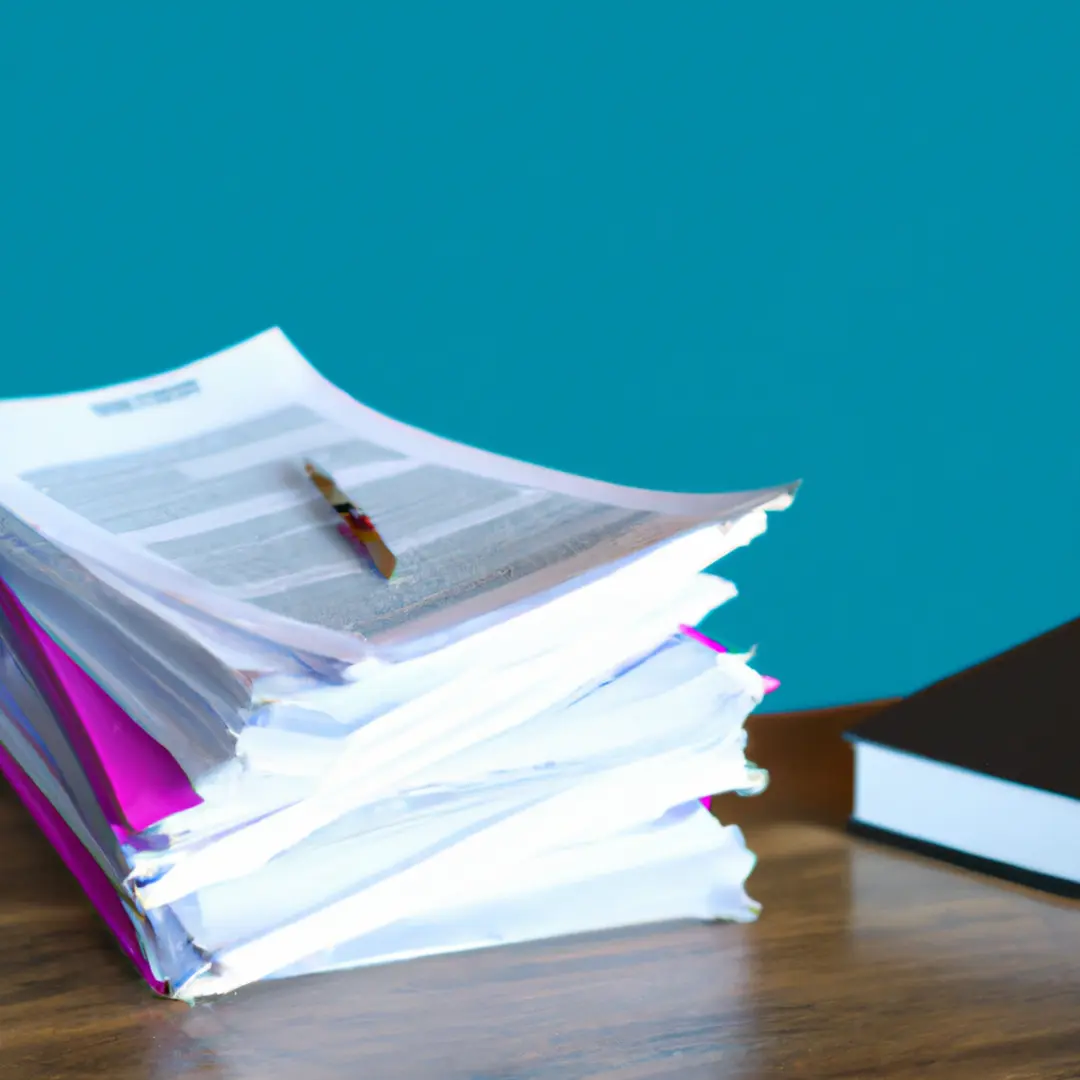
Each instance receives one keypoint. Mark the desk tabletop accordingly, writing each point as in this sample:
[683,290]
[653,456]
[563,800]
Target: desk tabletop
[865,963]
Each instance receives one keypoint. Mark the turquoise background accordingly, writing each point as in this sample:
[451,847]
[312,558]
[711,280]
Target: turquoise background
[684,245]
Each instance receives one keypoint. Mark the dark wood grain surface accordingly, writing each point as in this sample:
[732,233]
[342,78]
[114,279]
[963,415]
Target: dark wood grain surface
[865,963]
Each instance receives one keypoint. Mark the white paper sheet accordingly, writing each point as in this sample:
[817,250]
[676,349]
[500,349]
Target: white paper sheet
[192,483]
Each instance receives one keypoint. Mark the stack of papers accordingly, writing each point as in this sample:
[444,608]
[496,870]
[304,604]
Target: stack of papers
[261,757]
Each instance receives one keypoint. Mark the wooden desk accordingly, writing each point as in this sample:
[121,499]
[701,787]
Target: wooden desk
[865,963]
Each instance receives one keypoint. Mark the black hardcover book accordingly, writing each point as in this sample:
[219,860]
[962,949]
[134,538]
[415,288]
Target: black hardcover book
[983,768]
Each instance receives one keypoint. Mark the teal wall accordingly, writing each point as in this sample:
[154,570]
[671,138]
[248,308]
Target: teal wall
[684,245]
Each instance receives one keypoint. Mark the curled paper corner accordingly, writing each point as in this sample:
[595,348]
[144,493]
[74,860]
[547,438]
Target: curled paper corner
[769,682]
[758,780]
[743,657]
[786,497]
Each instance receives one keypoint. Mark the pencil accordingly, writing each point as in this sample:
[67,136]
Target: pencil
[355,523]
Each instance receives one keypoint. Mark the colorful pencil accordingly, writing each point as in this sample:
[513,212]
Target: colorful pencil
[355,524]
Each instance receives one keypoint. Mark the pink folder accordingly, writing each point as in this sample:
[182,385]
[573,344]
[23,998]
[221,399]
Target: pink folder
[134,779]
[81,863]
